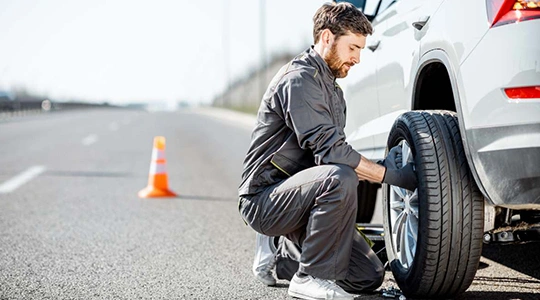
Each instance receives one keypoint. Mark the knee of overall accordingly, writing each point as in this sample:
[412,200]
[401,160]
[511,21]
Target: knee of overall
[377,280]
[369,284]
[348,180]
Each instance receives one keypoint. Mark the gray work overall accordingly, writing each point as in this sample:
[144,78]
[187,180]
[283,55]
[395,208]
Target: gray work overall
[299,180]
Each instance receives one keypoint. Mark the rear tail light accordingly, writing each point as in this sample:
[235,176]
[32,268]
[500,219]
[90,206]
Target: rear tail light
[526,92]
[501,12]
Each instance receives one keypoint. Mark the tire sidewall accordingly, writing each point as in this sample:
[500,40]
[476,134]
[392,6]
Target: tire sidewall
[402,131]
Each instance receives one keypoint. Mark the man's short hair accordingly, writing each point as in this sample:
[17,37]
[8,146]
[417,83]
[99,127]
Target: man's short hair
[340,18]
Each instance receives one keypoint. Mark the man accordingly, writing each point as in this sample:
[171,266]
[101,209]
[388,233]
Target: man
[300,176]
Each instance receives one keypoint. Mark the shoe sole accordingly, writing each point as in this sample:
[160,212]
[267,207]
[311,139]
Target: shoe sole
[265,282]
[268,283]
[306,297]
[302,296]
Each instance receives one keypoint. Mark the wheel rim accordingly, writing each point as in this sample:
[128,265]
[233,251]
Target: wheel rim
[403,213]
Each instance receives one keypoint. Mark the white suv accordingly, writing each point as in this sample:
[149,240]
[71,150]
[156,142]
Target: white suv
[457,85]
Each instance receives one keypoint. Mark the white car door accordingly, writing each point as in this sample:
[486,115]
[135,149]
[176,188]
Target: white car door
[360,90]
[398,53]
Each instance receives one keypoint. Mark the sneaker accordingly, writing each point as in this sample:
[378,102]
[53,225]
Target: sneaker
[265,260]
[313,288]
[265,275]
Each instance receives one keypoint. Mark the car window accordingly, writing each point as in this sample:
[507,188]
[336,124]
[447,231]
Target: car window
[358,3]
[385,4]
[369,7]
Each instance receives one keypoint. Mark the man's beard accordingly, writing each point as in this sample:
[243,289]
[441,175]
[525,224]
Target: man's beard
[336,65]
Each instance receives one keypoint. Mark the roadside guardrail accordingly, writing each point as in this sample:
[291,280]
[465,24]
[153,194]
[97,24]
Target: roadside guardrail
[18,109]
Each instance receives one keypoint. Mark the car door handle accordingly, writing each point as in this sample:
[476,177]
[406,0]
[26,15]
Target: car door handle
[418,25]
[374,46]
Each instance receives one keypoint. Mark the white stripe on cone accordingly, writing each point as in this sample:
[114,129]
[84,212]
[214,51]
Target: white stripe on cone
[156,168]
[158,154]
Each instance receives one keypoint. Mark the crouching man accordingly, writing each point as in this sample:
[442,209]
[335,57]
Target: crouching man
[300,177]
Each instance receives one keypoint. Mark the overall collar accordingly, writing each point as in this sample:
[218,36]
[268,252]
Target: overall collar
[321,65]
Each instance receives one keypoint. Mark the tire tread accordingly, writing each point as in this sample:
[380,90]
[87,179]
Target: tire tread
[449,242]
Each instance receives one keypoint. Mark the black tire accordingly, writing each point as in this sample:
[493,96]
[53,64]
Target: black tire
[367,197]
[450,209]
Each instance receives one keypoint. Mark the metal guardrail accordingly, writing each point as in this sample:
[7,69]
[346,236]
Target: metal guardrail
[18,109]
[4,115]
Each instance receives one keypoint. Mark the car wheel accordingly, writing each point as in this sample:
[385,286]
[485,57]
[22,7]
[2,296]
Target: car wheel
[433,235]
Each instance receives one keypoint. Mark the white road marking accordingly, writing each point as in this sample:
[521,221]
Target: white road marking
[15,182]
[89,140]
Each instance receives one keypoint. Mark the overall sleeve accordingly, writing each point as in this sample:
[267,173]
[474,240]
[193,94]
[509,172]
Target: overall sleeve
[308,114]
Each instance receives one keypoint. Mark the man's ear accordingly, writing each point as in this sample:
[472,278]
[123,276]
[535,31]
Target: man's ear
[327,37]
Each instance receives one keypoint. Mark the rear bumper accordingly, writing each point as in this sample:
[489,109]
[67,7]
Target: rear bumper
[506,162]
[503,135]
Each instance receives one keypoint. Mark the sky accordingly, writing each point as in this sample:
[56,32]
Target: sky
[124,51]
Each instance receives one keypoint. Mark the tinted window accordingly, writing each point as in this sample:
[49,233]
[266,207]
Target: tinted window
[358,3]
[385,4]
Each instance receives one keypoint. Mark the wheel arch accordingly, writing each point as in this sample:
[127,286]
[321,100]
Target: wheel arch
[433,82]
[437,62]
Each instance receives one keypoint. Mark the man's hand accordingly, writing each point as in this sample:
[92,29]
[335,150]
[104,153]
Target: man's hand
[403,177]
[393,159]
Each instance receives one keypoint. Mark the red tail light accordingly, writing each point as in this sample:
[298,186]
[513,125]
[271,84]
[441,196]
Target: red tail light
[501,12]
[527,92]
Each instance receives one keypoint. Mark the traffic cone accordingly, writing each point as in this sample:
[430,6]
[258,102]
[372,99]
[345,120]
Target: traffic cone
[157,179]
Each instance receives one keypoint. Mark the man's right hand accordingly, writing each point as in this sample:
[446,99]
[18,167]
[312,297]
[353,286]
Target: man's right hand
[393,159]
[404,177]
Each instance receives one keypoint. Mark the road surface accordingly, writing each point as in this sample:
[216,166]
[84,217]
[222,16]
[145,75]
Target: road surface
[72,226]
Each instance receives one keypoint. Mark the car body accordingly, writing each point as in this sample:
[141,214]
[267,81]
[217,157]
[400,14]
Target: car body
[470,63]
[479,61]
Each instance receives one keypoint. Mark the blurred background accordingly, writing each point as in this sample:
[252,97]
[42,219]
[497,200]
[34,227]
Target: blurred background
[159,55]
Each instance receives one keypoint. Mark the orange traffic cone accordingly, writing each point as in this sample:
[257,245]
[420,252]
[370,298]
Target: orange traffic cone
[157,179]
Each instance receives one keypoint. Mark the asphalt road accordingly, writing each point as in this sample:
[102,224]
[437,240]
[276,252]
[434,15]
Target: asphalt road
[72,226]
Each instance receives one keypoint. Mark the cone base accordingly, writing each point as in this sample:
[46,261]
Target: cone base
[152,192]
